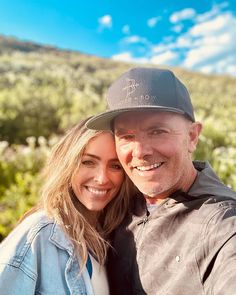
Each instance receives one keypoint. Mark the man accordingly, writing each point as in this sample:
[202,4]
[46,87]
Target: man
[182,240]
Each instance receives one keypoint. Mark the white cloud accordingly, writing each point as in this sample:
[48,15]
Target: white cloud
[230,69]
[226,66]
[217,24]
[198,56]
[124,56]
[184,41]
[127,57]
[187,13]
[134,39]
[126,30]
[209,46]
[168,39]
[178,28]
[207,69]
[151,22]
[216,10]
[213,45]
[163,47]
[164,58]
[105,21]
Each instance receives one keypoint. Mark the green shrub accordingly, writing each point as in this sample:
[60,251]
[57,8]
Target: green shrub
[20,183]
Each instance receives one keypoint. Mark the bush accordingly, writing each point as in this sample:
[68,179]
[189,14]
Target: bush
[20,183]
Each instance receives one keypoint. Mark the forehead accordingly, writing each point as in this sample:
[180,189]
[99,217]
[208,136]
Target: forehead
[100,142]
[102,148]
[143,118]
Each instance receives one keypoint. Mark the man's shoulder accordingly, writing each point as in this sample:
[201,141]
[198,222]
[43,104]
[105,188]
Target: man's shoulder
[208,183]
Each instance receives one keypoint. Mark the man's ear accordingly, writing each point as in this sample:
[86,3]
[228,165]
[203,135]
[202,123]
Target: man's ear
[194,132]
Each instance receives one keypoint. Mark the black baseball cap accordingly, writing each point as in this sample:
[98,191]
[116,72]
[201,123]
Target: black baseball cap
[142,89]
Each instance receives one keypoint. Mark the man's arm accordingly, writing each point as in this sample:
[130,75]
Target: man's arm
[220,274]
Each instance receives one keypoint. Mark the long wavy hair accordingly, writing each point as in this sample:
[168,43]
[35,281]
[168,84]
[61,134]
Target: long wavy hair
[59,201]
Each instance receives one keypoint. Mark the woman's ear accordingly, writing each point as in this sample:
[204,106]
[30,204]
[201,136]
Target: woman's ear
[194,132]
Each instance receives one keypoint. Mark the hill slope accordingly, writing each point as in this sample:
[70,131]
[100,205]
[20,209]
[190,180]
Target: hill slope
[44,90]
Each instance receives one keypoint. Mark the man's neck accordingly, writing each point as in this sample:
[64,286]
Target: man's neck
[185,187]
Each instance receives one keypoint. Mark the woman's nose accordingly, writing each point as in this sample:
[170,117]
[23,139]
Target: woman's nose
[101,176]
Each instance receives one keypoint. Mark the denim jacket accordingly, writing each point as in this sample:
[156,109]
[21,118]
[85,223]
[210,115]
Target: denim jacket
[38,258]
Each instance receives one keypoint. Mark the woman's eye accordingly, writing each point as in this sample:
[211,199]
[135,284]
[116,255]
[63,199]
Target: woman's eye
[87,162]
[116,166]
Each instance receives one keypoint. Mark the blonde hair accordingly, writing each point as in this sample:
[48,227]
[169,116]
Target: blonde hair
[60,203]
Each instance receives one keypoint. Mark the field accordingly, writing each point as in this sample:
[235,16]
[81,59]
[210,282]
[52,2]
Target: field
[44,91]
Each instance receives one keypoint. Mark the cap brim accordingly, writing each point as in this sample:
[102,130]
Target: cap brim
[103,121]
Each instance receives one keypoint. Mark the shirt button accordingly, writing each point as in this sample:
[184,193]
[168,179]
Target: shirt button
[177,258]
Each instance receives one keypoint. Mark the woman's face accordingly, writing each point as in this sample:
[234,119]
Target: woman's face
[100,175]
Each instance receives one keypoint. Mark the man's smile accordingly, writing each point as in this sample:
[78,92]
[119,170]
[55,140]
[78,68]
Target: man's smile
[149,167]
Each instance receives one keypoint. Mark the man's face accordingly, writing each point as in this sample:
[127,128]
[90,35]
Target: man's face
[155,150]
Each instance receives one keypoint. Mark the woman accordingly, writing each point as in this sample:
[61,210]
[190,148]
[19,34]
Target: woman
[60,246]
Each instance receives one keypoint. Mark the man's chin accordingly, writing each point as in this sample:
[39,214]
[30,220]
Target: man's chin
[150,192]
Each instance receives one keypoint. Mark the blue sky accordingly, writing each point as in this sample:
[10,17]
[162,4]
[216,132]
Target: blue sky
[198,35]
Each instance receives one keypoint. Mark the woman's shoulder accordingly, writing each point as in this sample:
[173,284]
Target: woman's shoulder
[36,221]
[36,226]
[36,243]
[32,225]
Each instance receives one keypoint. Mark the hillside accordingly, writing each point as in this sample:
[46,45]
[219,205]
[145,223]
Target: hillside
[44,90]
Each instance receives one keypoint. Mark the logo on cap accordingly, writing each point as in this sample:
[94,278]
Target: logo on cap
[131,87]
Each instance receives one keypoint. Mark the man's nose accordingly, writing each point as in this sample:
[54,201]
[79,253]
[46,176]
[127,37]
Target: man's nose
[141,149]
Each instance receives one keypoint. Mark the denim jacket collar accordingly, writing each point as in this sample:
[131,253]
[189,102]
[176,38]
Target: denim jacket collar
[59,238]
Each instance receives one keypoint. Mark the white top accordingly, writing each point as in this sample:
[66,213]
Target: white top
[151,207]
[99,278]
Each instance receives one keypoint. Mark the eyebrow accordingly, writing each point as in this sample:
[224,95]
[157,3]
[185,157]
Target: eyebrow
[91,155]
[98,158]
[121,131]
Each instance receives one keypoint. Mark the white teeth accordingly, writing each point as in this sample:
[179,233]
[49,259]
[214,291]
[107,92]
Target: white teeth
[146,168]
[97,191]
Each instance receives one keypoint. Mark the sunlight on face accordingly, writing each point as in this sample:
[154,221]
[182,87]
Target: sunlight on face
[100,175]
[155,149]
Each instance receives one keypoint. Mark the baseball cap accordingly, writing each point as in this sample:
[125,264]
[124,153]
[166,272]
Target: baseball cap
[141,89]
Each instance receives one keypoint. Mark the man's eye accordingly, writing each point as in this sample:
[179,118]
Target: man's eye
[127,137]
[158,131]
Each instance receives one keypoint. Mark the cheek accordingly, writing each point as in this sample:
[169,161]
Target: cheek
[167,151]
[124,152]
[174,148]
[118,180]
[76,180]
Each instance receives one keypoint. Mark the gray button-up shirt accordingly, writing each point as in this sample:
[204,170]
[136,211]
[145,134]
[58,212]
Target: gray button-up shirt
[186,246]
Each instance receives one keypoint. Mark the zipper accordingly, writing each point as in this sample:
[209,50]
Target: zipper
[144,220]
[141,224]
